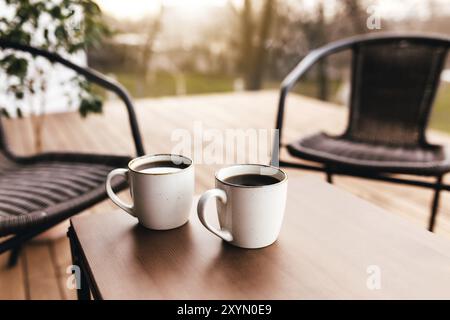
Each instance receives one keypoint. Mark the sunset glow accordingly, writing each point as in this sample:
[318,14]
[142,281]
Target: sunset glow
[136,9]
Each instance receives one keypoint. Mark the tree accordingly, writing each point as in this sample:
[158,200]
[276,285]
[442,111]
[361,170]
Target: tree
[355,12]
[65,27]
[254,35]
[315,32]
[153,27]
[300,29]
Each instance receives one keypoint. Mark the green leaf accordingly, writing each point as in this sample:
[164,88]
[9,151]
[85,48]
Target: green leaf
[55,12]
[18,35]
[91,104]
[19,95]
[61,33]
[19,112]
[17,67]
[4,113]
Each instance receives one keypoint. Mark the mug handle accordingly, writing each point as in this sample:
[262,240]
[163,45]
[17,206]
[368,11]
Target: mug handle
[222,233]
[111,194]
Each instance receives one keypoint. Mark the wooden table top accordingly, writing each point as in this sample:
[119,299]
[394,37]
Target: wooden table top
[333,245]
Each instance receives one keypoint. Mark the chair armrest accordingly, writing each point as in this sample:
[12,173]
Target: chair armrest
[92,76]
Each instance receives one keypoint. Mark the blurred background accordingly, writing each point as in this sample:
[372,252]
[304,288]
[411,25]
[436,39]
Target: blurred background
[178,47]
[181,47]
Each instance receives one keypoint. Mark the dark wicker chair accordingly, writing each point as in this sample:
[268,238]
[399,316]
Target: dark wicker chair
[394,81]
[40,191]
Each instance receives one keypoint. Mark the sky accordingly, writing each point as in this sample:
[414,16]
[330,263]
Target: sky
[389,9]
[136,9]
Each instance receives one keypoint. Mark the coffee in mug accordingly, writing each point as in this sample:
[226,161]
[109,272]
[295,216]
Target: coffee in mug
[252,180]
[162,189]
[251,201]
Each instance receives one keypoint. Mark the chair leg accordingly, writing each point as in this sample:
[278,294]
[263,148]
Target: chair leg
[14,256]
[435,204]
[329,175]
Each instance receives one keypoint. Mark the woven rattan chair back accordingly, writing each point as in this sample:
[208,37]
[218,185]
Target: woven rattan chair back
[393,86]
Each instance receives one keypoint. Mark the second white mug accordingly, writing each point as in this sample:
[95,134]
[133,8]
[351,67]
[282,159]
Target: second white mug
[251,201]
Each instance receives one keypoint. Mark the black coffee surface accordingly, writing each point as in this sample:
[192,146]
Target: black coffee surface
[161,164]
[252,180]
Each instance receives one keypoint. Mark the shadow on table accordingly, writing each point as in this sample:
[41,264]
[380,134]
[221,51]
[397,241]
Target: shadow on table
[191,262]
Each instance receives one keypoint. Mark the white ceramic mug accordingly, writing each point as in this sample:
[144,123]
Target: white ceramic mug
[249,216]
[162,189]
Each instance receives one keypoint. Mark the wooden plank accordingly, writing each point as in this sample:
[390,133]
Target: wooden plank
[42,273]
[60,249]
[12,280]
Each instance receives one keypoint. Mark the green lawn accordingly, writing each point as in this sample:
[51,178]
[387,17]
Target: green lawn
[440,118]
[307,88]
[164,84]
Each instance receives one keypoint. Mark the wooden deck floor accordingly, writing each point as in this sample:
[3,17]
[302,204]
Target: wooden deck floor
[41,271]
